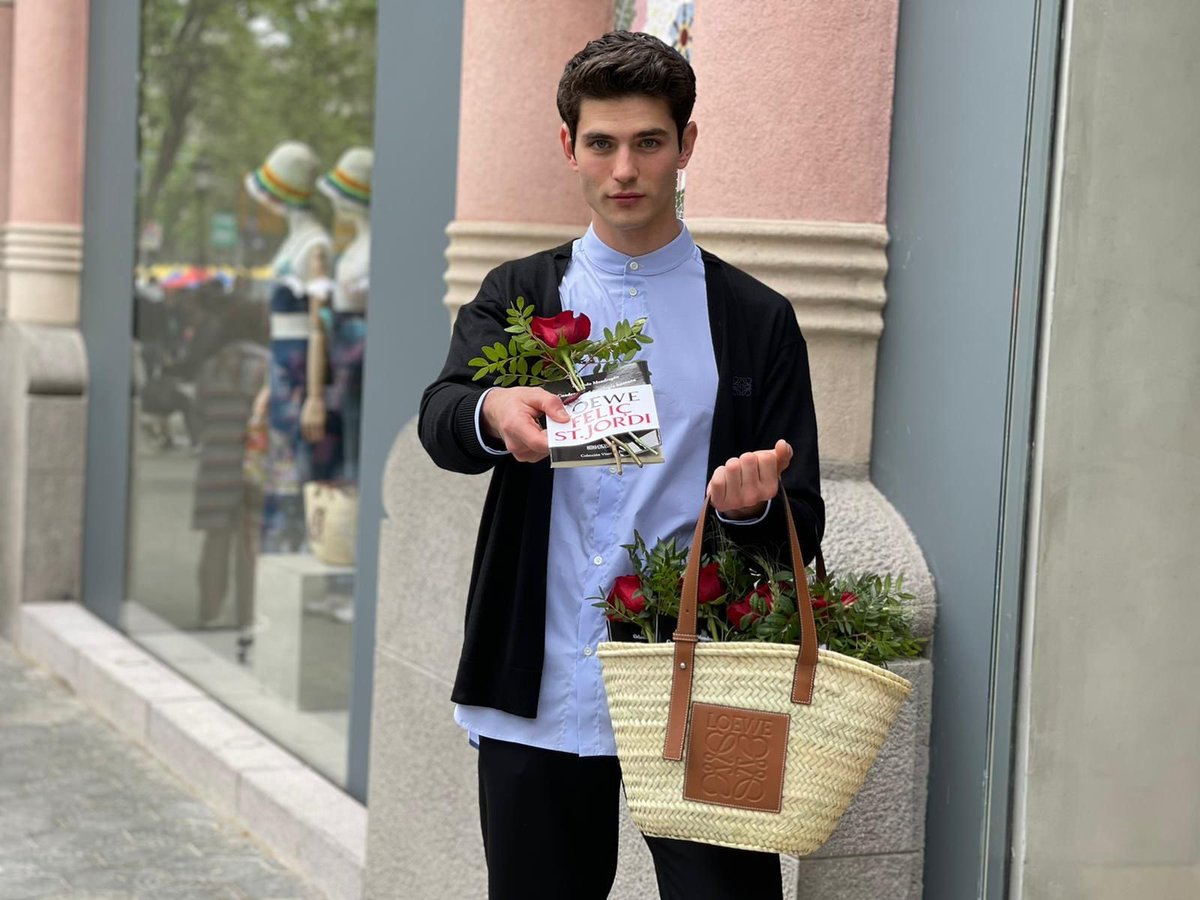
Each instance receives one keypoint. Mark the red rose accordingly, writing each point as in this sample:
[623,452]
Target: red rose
[848,598]
[742,608]
[565,328]
[627,589]
[710,587]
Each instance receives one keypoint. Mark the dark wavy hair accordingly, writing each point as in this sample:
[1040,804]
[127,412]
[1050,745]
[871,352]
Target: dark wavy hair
[624,63]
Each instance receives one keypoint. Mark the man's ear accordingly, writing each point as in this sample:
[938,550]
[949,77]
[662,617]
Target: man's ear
[688,145]
[564,136]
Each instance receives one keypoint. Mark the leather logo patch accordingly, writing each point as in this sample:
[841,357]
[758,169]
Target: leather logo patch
[736,757]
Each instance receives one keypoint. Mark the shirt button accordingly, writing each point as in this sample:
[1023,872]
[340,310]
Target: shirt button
[612,469]
[587,651]
[633,292]
[598,560]
[633,265]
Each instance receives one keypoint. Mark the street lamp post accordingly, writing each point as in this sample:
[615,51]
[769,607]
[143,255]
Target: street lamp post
[202,182]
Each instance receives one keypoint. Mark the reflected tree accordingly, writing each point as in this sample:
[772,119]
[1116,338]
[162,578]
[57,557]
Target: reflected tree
[226,80]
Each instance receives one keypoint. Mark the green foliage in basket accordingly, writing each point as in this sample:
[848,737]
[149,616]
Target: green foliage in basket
[745,597]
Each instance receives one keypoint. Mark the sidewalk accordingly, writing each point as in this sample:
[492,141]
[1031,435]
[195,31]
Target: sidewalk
[86,814]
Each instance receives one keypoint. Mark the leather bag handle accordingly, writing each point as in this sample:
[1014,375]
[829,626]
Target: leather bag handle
[685,637]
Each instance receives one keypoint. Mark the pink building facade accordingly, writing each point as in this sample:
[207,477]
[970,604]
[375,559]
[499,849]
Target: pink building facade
[981,216]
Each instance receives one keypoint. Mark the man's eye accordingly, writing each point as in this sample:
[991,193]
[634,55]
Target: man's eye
[599,145]
[650,143]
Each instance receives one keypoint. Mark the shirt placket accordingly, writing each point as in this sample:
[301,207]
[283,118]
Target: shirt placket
[607,560]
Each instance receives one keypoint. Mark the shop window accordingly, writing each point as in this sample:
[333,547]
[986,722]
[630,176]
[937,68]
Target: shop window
[251,303]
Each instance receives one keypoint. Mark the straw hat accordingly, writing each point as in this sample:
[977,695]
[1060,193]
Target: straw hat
[350,179]
[286,178]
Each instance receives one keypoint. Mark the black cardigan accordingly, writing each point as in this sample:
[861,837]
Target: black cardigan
[763,394]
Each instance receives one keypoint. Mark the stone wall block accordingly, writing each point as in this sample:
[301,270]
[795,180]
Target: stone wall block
[57,428]
[53,535]
[43,371]
[865,533]
[893,876]
[424,839]
[427,544]
[888,814]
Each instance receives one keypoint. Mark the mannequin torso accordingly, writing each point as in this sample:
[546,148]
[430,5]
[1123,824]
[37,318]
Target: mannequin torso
[352,275]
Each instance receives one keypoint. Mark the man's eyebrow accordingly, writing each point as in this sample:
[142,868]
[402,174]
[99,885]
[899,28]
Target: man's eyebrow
[601,135]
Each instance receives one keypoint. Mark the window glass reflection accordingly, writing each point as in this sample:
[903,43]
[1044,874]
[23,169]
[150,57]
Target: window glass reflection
[251,294]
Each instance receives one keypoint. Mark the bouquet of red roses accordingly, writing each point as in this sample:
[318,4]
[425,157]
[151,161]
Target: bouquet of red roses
[547,349]
[744,597]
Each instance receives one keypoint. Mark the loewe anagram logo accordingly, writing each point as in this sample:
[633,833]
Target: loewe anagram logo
[736,757]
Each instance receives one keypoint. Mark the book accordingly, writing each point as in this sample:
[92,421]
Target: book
[617,403]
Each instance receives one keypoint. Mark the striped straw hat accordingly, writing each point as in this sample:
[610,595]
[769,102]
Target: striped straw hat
[350,179]
[286,178]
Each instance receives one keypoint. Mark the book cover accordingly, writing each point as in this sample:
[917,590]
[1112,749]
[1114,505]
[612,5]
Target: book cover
[617,404]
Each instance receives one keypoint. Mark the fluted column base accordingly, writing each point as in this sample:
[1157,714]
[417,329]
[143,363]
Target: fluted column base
[39,272]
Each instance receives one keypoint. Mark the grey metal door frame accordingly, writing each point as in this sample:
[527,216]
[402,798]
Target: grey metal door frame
[967,205]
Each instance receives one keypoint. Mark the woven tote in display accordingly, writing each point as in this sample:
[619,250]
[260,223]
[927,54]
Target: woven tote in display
[331,521]
[745,744]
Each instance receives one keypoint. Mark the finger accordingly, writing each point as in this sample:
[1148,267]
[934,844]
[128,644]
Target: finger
[733,481]
[716,487]
[783,454]
[765,477]
[525,436]
[552,406]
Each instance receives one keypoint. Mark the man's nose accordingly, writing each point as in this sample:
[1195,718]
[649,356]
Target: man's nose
[624,167]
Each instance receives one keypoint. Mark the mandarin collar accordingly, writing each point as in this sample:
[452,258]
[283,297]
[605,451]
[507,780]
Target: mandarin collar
[664,259]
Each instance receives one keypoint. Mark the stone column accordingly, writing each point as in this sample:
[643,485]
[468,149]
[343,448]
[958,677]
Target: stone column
[41,241]
[43,66]
[794,191]
[6,54]
[516,194]
[789,182]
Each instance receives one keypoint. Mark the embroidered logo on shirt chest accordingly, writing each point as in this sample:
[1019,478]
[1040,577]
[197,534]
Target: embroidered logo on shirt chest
[743,386]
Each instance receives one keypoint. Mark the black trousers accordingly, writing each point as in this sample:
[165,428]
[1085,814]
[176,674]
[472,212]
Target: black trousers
[549,824]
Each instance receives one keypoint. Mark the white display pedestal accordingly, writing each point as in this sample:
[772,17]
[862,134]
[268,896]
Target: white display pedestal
[287,643]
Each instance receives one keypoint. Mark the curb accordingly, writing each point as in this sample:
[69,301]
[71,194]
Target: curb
[315,828]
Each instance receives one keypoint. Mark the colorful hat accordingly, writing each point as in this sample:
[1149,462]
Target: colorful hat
[286,177]
[350,179]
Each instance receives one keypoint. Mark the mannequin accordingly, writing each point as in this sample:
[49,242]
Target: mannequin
[302,441]
[348,186]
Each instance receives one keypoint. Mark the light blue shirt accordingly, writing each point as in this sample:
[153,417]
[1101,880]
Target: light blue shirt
[594,511]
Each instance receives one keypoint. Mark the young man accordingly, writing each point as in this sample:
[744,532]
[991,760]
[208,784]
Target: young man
[731,379]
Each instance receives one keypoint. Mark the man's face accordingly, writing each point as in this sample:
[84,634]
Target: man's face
[627,153]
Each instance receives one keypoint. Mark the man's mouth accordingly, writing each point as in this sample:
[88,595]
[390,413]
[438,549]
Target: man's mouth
[626,197]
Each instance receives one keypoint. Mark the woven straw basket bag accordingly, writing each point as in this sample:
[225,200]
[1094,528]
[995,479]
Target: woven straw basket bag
[331,520]
[752,745]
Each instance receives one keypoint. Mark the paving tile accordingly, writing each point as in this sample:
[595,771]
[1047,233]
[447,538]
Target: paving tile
[86,813]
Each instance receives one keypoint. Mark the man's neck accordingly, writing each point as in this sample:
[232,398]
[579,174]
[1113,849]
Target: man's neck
[639,242]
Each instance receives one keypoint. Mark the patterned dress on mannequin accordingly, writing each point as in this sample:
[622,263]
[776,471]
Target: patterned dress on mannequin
[291,460]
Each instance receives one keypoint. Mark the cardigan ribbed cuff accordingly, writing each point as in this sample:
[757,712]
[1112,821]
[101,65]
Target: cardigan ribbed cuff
[464,426]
